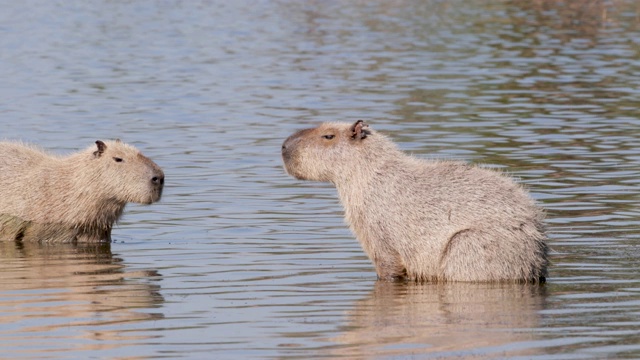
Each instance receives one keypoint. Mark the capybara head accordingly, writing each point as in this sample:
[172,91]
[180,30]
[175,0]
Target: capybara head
[125,174]
[331,150]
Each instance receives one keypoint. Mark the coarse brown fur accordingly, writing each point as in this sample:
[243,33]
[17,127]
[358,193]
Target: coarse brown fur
[423,220]
[78,197]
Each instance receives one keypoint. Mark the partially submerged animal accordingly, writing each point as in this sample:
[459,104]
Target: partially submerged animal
[423,220]
[78,197]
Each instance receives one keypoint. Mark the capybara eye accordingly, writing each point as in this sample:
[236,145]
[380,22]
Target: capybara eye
[328,137]
[117,159]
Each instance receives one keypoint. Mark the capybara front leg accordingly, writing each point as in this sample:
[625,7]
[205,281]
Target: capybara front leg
[390,268]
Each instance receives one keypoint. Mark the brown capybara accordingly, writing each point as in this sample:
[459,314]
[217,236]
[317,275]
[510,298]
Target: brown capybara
[76,198]
[423,220]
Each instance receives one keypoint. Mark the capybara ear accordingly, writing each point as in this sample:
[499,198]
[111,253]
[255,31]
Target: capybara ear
[101,148]
[359,130]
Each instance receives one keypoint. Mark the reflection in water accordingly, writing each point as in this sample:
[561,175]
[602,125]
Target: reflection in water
[573,19]
[442,319]
[71,297]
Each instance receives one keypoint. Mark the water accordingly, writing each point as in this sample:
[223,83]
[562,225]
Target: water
[241,261]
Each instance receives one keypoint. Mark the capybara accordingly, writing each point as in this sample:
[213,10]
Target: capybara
[75,198]
[423,220]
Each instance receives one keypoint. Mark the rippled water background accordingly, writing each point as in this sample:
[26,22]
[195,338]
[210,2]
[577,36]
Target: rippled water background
[241,261]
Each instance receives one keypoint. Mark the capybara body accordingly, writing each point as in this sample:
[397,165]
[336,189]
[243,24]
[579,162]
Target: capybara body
[75,198]
[423,220]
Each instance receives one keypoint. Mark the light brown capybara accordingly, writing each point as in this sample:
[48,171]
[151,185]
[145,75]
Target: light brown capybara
[423,220]
[75,198]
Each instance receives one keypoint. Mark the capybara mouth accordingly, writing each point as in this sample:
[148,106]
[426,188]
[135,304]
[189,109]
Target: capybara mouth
[295,174]
[157,196]
[289,171]
[154,196]
[289,163]
[286,154]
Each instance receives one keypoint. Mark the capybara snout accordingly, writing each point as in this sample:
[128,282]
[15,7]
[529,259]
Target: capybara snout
[288,146]
[158,180]
[157,184]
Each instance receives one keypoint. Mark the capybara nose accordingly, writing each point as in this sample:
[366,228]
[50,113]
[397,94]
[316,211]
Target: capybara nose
[286,148]
[158,179]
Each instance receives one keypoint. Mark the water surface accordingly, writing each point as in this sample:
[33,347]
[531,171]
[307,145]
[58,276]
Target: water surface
[240,261]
